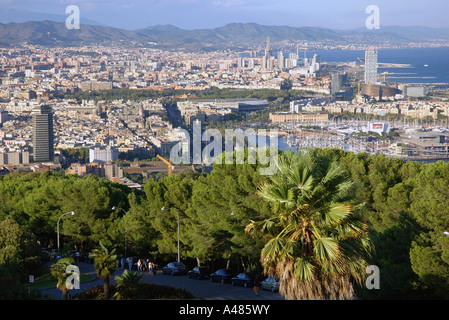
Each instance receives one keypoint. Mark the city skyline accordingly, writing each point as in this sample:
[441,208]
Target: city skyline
[199,14]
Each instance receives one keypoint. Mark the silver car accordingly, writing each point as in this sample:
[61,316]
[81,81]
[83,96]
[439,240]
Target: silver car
[270,284]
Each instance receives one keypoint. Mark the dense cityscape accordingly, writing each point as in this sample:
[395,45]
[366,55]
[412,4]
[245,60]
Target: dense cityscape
[34,76]
[88,134]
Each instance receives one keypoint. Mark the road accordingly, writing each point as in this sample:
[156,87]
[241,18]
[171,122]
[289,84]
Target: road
[201,289]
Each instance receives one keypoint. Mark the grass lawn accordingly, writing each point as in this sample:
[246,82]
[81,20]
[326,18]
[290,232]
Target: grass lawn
[47,281]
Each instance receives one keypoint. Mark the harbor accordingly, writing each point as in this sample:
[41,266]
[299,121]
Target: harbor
[394,139]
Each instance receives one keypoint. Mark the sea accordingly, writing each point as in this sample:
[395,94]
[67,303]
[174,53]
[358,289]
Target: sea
[427,65]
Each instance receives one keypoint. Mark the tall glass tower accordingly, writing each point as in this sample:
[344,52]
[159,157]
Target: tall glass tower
[370,66]
[43,136]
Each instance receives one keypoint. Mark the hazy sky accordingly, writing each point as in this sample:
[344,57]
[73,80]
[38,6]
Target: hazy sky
[197,14]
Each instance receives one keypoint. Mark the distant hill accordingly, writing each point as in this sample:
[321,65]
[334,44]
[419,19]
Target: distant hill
[52,33]
[8,15]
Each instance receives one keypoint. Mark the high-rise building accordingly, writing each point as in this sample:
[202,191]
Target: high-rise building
[103,154]
[281,60]
[43,136]
[339,82]
[371,66]
[267,57]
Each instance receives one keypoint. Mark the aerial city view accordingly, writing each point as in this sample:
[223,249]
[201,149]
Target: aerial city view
[196,151]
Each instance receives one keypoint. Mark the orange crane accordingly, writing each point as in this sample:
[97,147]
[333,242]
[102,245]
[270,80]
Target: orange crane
[168,163]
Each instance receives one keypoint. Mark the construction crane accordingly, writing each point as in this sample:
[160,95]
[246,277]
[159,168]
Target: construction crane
[384,74]
[168,163]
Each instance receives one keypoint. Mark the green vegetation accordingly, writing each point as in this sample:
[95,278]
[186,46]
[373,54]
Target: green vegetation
[317,242]
[271,95]
[58,271]
[105,261]
[142,291]
[398,207]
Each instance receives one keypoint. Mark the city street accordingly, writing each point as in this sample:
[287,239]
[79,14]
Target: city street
[201,289]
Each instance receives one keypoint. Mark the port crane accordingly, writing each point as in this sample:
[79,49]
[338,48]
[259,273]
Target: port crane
[168,163]
[384,74]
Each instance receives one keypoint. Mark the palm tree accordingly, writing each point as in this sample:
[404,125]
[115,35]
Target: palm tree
[317,244]
[58,271]
[105,265]
[127,284]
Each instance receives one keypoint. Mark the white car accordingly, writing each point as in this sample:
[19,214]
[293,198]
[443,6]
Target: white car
[270,284]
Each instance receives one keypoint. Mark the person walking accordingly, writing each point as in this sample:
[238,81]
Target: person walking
[153,266]
[139,265]
[130,264]
[256,286]
[150,267]
[122,263]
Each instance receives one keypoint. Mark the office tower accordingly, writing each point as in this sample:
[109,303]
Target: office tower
[267,57]
[268,48]
[315,64]
[371,66]
[43,135]
[281,60]
[339,82]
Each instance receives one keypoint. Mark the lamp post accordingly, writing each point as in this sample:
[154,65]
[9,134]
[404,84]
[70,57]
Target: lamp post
[177,213]
[71,213]
[114,208]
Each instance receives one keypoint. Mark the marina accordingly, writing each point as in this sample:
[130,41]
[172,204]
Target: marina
[411,143]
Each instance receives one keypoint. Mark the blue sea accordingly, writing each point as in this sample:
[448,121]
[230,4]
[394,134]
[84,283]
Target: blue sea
[428,65]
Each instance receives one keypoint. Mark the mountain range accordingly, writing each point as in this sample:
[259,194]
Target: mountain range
[51,33]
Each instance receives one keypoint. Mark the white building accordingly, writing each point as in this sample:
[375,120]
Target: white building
[103,154]
[371,66]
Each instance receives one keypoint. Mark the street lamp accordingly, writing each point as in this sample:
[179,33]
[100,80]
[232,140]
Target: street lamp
[177,213]
[114,208]
[71,213]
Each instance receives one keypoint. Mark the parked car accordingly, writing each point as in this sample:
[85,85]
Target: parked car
[75,255]
[174,268]
[270,284]
[242,279]
[221,275]
[199,273]
[45,255]
[88,258]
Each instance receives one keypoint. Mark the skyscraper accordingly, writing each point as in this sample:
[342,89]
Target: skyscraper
[370,66]
[266,58]
[43,136]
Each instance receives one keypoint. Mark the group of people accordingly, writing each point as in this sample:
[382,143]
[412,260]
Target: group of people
[142,265]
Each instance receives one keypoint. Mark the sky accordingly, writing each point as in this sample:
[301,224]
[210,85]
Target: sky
[199,14]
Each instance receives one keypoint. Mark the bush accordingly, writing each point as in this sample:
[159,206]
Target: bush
[145,291]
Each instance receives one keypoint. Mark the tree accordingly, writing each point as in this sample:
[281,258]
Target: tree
[58,271]
[318,244]
[127,285]
[429,253]
[286,85]
[222,204]
[10,260]
[105,264]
